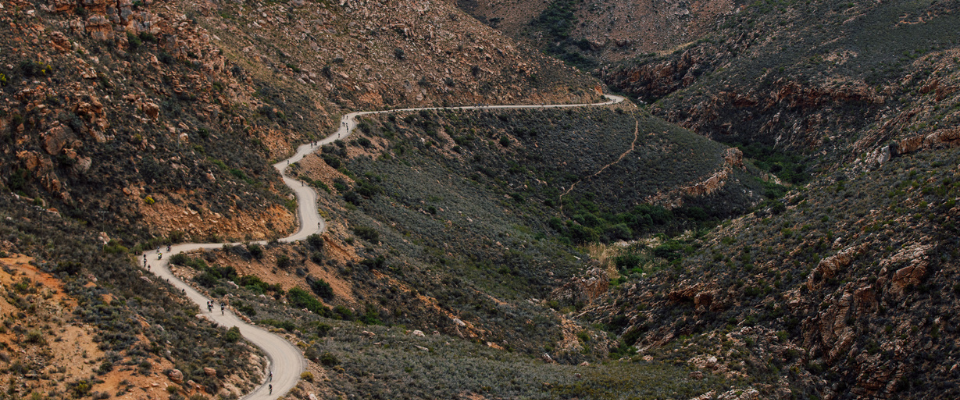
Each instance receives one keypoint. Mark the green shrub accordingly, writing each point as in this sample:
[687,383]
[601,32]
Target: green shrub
[329,360]
[206,279]
[255,250]
[284,261]
[671,250]
[179,259]
[627,261]
[374,263]
[315,241]
[34,336]
[254,283]
[307,376]
[323,329]
[352,198]
[344,313]
[370,316]
[80,388]
[34,68]
[321,288]
[133,41]
[232,335]
[368,190]
[114,247]
[366,233]
[581,234]
[285,325]
[301,299]
[331,160]
[105,366]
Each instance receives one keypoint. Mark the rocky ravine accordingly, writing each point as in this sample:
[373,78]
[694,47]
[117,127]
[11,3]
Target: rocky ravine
[286,362]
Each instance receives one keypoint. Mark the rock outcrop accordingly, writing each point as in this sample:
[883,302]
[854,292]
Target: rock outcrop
[732,159]
[583,289]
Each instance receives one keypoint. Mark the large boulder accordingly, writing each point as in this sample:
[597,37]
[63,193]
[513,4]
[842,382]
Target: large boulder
[152,110]
[99,27]
[175,375]
[54,139]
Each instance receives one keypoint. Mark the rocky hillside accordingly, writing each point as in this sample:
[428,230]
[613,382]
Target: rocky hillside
[80,322]
[127,125]
[833,80]
[845,290]
[161,118]
[449,254]
[594,33]
[563,253]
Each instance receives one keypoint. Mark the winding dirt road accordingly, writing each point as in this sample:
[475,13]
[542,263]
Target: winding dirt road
[286,361]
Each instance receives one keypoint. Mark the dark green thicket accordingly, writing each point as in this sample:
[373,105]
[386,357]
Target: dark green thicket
[790,167]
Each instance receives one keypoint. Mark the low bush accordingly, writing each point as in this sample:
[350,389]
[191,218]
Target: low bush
[232,335]
[315,242]
[255,250]
[366,233]
[301,299]
[320,287]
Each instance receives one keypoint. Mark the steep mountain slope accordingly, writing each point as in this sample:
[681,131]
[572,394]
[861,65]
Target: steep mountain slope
[833,80]
[154,122]
[134,115]
[843,289]
[847,292]
[594,33]
[80,322]
[442,221]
